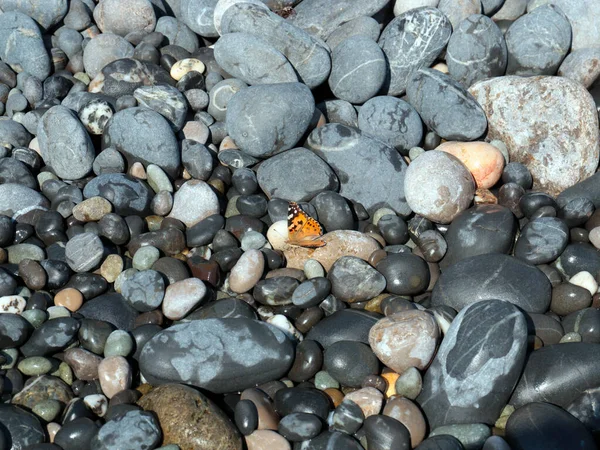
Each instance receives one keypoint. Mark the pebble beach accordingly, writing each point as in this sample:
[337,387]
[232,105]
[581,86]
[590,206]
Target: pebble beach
[299,224]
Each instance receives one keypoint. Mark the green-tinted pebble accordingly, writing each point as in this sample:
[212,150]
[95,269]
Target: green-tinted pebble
[471,435]
[145,257]
[35,317]
[34,365]
[231,209]
[158,179]
[415,152]
[170,447]
[48,409]
[380,213]
[119,343]
[19,252]
[124,276]
[409,384]
[45,176]
[65,373]
[325,381]
[58,311]
[10,355]
[313,269]
[24,292]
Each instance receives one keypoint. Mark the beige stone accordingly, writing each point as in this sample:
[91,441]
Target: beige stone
[111,268]
[92,209]
[369,399]
[247,271]
[267,440]
[184,66]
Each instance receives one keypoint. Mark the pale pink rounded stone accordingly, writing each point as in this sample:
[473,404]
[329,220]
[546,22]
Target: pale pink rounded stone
[369,399]
[114,373]
[484,161]
[409,415]
[247,271]
[267,440]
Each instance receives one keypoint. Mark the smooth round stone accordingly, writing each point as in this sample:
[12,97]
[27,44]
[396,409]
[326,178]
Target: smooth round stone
[354,280]
[134,429]
[406,51]
[275,291]
[21,252]
[47,410]
[409,383]
[145,257]
[471,436]
[60,129]
[462,118]
[577,211]
[333,211]
[311,292]
[247,271]
[568,298]
[194,202]
[94,115]
[108,160]
[297,175]
[339,111]
[297,427]
[344,325]
[118,343]
[221,94]
[261,130]
[405,339]
[177,33]
[350,362]
[363,26]
[84,252]
[476,50]
[84,363]
[432,245]
[115,375]
[574,157]
[21,428]
[487,326]
[538,52]
[545,425]
[579,257]
[128,131]
[16,197]
[196,159]
[35,365]
[385,432]
[542,240]
[182,297]
[438,186]
[307,400]
[185,66]
[493,276]
[114,17]
[358,69]
[104,49]
[253,60]
[14,330]
[308,361]
[392,120]
[246,417]
[405,274]
[92,209]
[266,354]
[93,335]
[70,298]
[190,419]
[516,172]
[484,161]
[144,290]
[369,399]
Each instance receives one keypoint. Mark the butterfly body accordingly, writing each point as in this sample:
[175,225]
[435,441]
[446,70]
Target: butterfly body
[303,230]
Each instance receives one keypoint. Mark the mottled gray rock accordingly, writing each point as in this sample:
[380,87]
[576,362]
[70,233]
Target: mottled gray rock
[143,135]
[321,17]
[392,121]
[104,49]
[542,240]
[582,15]
[363,26]
[20,428]
[128,195]
[559,146]
[558,374]
[165,100]
[253,60]
[14,330]
[476,366]
[21,45]
[177,33]
[445,106]
[296,175]
[65,145]
[582,66]
[134,429]
[355,280]
[247,353]
[309,57]
[16,198]
[263,120]
[510,11]
[370,172]
[493,276]
[411,41]
[358,69]
[438,186]
[46,13]
[476,51]
[458,10]
[13,134]
[84,252]
[114,16]
[538,42]
[198,15]
[52,336]
[339,111]
[144,290]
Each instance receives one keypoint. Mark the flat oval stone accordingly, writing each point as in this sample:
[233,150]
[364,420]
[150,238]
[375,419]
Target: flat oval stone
[349,362]
[462,118]
[182,297]
[261,128]
[115,17]
[558,374]
[127,194]
[460,379]
[14,330]
[249,353]
[413,40]
[144,290]
[578,257]
[111,308]
[405,274]
[484,161]
[542,240]
[479,230]
[539,127]
[143,135]
[198,15]
[542,425]
[344,325]
[84,252]
[493,276]
[253,60]
[354,280]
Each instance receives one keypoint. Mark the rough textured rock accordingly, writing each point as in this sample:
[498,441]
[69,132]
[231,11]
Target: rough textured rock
[549,124]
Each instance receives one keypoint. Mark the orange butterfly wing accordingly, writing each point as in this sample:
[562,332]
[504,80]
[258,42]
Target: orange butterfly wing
[303,230]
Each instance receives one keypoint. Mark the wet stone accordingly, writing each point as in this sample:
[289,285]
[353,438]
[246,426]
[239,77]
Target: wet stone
[134,428]
[145,290]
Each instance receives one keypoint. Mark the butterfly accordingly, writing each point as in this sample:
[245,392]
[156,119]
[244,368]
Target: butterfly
[303,230]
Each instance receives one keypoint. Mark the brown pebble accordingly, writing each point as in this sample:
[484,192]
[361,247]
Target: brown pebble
[92,209]
[336,396]
[33,274]
[268,419]
[111,267]
[115,375]
[84,363]
[70,298]
[375,381]
[155,317]
[267,440]
[409,415]
[391,378]
[377,256]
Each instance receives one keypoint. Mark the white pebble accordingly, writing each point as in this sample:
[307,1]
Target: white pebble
[282,322]
[585,280]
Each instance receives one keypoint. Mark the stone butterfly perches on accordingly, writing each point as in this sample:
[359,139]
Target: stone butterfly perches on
[303,230]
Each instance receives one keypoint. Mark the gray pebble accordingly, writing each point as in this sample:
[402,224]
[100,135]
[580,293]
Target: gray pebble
[84,252]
